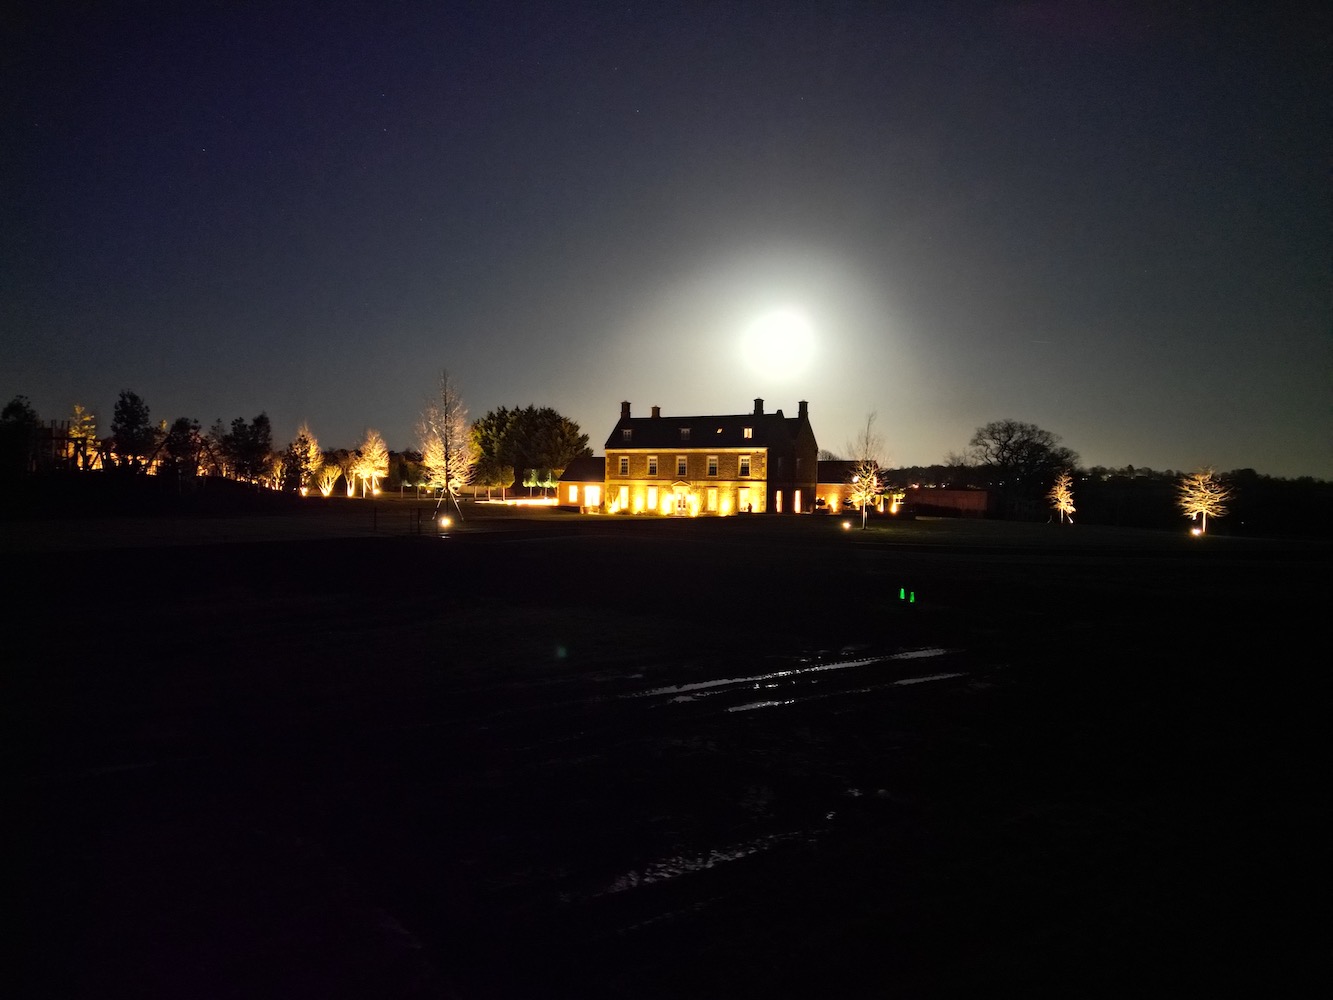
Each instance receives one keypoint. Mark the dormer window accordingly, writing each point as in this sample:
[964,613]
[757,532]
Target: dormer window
[684,433]
[749,433]
[626,434]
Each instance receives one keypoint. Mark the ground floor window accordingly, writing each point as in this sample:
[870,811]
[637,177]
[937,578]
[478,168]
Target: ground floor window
[592,496]
[573,493]
[712,499]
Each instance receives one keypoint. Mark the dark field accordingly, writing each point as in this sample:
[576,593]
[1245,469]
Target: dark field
[552,756]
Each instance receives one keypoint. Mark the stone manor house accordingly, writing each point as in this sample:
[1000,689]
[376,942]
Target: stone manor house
[748,463]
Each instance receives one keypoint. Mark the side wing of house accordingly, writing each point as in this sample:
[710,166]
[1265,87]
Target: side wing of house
[582,485]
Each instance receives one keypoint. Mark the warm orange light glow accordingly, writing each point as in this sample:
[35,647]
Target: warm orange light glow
[1203,495]
[846,525]
[1061,496]
[525,501]
[445,522]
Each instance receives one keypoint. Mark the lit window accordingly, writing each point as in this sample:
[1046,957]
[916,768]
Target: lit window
[624,465]
[573,493]
[745,503]
[684,433]
[749,433]
[712,466]
[652,498]
[626,434]
[592,496]
[622,500]
[712,498]
[680,466]
[745,465]
[777,501]
[796,502]
[652,465]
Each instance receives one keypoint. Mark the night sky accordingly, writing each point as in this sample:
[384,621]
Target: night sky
[1107,220]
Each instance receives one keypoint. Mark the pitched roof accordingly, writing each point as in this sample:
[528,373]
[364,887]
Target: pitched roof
[705,431]
[585,469]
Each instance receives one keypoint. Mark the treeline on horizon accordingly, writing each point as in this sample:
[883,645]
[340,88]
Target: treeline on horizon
[1015,463]
[1140,497]
[507,446]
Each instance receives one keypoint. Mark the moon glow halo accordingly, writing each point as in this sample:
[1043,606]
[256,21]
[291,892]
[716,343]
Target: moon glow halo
[778,345]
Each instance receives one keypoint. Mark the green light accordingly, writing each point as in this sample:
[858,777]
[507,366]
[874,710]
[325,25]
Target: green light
[902,593]
[912,599]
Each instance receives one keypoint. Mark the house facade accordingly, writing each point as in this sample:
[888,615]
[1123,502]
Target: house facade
[716,464]
[582,484]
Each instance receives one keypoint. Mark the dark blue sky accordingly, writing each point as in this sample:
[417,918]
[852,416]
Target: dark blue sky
[1108,220]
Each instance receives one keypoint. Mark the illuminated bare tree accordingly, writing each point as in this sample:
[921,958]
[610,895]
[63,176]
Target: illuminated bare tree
[866,451]
[372,463]
[1062,496]
[328,478]
[277,471]
[1202,493]
[83,437]
[347,464]
[447,448]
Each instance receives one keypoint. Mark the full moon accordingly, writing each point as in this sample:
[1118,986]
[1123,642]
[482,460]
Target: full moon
[778,345]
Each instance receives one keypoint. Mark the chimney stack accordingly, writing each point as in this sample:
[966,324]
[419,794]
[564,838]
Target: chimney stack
[657,412]
[624,411]
[758,407]
[803,410]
